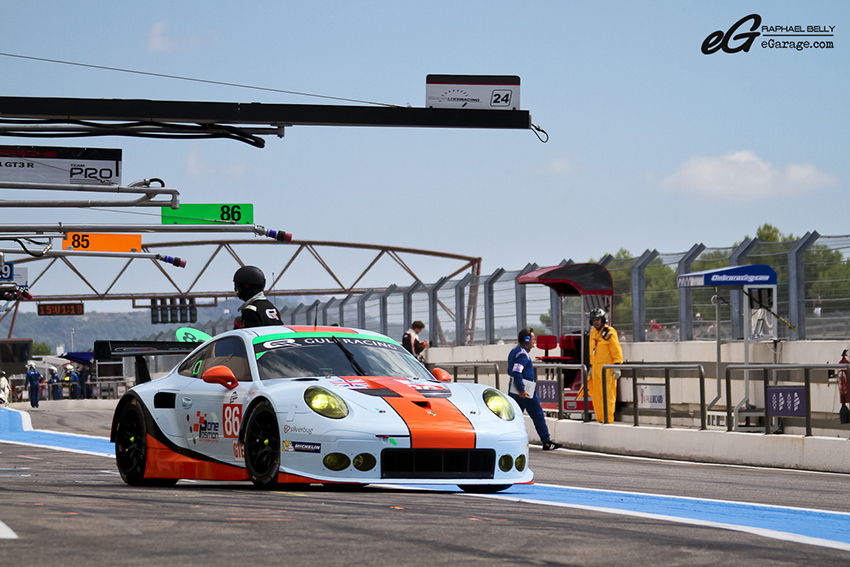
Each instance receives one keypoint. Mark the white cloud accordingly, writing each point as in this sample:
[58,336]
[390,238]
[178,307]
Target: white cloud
[200,167]
[560,166]
[743,176]
[159,41]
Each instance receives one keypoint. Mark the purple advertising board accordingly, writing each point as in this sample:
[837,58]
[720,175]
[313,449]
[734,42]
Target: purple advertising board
[786,401]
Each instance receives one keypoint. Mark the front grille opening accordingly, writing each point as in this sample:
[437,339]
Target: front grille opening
[438,463]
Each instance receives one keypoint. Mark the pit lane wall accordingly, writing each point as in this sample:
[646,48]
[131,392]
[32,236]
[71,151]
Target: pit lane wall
[827,450]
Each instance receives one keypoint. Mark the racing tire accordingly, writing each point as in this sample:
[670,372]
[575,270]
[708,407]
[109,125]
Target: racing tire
[262,446]
[483,488]
[131,448]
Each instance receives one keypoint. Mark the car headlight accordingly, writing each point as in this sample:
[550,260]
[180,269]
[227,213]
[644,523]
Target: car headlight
[499,404]
[326,403]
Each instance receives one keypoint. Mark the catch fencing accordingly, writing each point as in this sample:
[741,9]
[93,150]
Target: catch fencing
[473,309]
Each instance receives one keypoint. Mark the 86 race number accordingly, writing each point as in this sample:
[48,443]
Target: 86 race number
[232,420]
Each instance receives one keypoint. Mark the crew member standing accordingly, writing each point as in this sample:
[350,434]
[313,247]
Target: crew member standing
[410,340]
[604,349]
[257,311]
[34,382]
[523,380]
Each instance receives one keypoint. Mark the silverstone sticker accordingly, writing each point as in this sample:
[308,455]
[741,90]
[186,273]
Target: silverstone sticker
[302,447]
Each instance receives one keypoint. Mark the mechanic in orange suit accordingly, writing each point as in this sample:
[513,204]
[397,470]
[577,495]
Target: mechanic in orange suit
[604,349]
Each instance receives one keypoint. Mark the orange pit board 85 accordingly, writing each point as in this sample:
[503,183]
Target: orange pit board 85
[102,242]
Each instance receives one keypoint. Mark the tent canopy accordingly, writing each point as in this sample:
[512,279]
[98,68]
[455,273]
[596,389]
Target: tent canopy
[84,358]
[751,274]
[572,279]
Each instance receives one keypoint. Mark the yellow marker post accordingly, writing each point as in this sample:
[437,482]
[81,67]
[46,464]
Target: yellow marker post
[102,242]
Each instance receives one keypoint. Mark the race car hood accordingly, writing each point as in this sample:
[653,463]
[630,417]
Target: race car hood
[433,420]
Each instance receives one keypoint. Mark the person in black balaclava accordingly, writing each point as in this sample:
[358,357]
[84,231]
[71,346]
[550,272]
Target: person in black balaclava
[257,311]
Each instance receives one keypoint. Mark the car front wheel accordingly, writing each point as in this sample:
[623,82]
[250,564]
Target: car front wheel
[262,446]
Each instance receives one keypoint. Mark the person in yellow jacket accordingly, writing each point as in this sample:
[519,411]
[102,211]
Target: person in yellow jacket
[604,349]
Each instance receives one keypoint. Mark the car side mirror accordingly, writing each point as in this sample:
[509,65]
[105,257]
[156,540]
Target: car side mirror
[441,375]
[221,375]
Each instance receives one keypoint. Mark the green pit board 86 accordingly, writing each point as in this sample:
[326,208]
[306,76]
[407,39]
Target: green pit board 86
[209,213]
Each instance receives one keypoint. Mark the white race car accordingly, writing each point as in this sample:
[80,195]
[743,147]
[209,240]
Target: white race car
[317,405]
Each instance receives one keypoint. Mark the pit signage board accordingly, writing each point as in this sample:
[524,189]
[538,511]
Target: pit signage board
[491,92]
[11,273]
[47,309]
[786,401]
[209,213]
[652,396]
[102,242]
[67,166]
[547,392]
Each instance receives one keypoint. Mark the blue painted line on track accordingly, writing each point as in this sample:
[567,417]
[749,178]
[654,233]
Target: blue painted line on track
[12,430]
[812,525]
[816,527]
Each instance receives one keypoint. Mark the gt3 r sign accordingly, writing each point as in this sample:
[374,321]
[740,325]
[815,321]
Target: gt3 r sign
[75,166]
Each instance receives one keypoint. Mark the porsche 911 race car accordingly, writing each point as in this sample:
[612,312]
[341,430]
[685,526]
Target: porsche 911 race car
[317,405]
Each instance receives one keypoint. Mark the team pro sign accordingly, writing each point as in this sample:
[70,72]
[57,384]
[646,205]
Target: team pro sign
[75,166]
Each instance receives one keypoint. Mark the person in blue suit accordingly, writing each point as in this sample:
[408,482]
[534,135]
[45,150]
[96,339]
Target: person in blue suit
[521,389]
[34,379]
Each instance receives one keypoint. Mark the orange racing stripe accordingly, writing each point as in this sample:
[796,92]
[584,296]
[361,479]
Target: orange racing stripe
[434,423]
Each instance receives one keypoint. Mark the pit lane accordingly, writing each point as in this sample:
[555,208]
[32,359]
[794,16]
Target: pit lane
[72,509]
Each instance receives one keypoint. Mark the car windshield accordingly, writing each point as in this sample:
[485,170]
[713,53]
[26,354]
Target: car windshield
[337,355]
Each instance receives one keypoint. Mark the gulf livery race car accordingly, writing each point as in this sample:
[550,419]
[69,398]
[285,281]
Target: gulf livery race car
[317,405]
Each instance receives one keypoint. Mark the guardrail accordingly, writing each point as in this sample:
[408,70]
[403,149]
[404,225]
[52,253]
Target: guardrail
[666,368]
[807,388]
[559,376]
[475,366]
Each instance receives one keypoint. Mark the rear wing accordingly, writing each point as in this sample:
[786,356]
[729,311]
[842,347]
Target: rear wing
[110,350]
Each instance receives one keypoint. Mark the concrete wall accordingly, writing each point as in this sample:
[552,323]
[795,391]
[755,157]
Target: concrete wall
[827,450]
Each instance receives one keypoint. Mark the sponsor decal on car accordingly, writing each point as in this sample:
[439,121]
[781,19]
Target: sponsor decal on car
[293,429]
[207,430]
[422,386]
[302,447]
[349,383]
[238,452]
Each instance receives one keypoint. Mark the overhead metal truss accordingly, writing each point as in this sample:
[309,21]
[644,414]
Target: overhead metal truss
[77,117]
[141,187]
[312,247]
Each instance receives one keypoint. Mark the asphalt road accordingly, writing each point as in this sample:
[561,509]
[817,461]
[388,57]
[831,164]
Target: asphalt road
[71,509]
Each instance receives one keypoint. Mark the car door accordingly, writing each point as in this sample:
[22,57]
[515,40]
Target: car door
[211,414]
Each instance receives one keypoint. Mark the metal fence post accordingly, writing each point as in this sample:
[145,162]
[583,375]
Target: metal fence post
[383,309]
[342,303]
[686,318]
[639,294]
[521,308]
[361,307]
[490,307]
[635,394]
[667,410]
[433,317]
[460,318]
[796,285]
[736,297]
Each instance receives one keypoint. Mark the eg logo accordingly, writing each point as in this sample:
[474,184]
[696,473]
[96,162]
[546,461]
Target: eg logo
[718,40]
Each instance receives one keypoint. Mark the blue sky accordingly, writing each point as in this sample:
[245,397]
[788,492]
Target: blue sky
[652,143]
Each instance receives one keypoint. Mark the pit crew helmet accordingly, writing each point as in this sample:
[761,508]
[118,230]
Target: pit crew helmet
[248,281]
[598,313]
